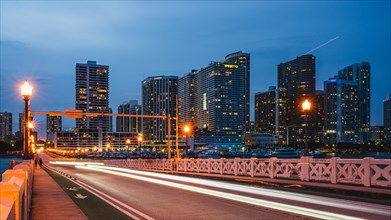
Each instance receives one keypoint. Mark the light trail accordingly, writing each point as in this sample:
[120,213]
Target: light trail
[345,204]
[322,45]
[74,163]
[258,202]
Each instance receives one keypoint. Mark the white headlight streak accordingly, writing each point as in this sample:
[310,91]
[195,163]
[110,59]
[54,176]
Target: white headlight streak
[229,196]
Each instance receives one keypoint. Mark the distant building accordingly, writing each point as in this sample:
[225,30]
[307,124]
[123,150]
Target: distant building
[129,124]
[218,103]
[263,140]
[53,123]
[320,116]
[341,111]
[270,112]
[387,118]
[159,98]
[5,126]
[21,124]
[243,59]
[298,78]
[377,134]
[92,95]
[360,73]
[186,98]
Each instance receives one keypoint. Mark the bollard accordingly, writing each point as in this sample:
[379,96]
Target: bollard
[7,207]
[12,188]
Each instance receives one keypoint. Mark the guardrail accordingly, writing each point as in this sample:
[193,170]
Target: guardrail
[16,191]
[366,171]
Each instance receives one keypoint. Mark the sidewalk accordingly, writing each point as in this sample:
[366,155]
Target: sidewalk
[50,202]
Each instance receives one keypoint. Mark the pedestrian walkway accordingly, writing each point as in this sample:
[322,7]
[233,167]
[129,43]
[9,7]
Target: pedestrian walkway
[50,202]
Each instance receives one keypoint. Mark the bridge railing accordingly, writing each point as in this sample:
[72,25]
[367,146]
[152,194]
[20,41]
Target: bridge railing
[366,171]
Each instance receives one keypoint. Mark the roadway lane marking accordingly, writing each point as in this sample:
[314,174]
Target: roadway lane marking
[106,198]
[337,203]
[259,202]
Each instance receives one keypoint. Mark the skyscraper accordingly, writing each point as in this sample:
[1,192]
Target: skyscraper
[218,103]
[360,73]
[5,126]
[387,118]
[92,95]
[240,58]
[53,124]
[159,98]
[341,111]
[186,96]
[270,112]
[319,117]
[298,78]
[129,124]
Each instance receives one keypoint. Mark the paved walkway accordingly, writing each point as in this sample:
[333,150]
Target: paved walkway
[50,202]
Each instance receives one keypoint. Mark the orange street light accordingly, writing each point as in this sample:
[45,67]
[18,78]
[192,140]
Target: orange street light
[306,108]
[186,130]
[140,138]
[128,141]
[26,90]
[30,125]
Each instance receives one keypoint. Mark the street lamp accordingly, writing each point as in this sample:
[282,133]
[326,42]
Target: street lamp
[139,140]
[128,141]
[186,130]
[26,90]
[107,147]
[306,108]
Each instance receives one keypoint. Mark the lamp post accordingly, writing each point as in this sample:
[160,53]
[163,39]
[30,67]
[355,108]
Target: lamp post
[128,141]
[306,108]
[186,130]
[139,140]
[26,91]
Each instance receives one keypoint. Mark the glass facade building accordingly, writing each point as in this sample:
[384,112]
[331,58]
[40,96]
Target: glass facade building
[5,126]
[129,124]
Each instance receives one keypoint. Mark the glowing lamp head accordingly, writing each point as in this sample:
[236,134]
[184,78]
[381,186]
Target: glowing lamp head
[186,129]
[306,105]
[26,89]
[108,145]
[128,141]
[139,138]
[30,125]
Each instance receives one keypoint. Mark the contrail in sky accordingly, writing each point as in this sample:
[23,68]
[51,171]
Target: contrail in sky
[335,38]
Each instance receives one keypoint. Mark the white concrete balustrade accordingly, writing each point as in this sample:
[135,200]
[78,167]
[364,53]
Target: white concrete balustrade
[16,190]
[367,171]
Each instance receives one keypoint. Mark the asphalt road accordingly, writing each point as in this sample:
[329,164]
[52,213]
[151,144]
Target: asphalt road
[146,195]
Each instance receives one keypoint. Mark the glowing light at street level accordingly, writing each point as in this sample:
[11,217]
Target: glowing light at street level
[140,138]
[255,190]
[74,163]
[186,129]
[30,125]
[128,141]
[230,196]
[26,89]
[306,105]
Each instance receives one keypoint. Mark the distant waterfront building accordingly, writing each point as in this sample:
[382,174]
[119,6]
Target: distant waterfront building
[360,73]
[159,98]
[341,111]
[320,115]
[186,98]
[53,123]
[92,95]
[129,124]
[377,134]
[270,112]
[5,126]
[387,117]
[21,126]
[298,78]
[243,59]
[218,103]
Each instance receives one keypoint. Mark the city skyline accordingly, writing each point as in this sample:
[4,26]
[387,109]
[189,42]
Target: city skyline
[27,56]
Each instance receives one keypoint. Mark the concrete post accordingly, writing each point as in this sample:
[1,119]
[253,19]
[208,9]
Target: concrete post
[7,207]
[12,188]
[236,166]
[272,167]
[23,175]
[209,164]
[305,168]
[366,180]
[252,166]
[334,170]
[222,165]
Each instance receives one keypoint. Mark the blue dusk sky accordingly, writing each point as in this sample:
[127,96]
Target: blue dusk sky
[41,41]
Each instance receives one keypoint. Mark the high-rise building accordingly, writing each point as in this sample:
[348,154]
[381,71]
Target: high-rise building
[377,134]
[53,123]
[298,78]
[5,126]
[159,98]
[360,74]
[270,112]
[341,111]
[129,124]
[319,118]
[240,58]
[186,98]
[218,103]
[387,118]
[92,95]
[21,123]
